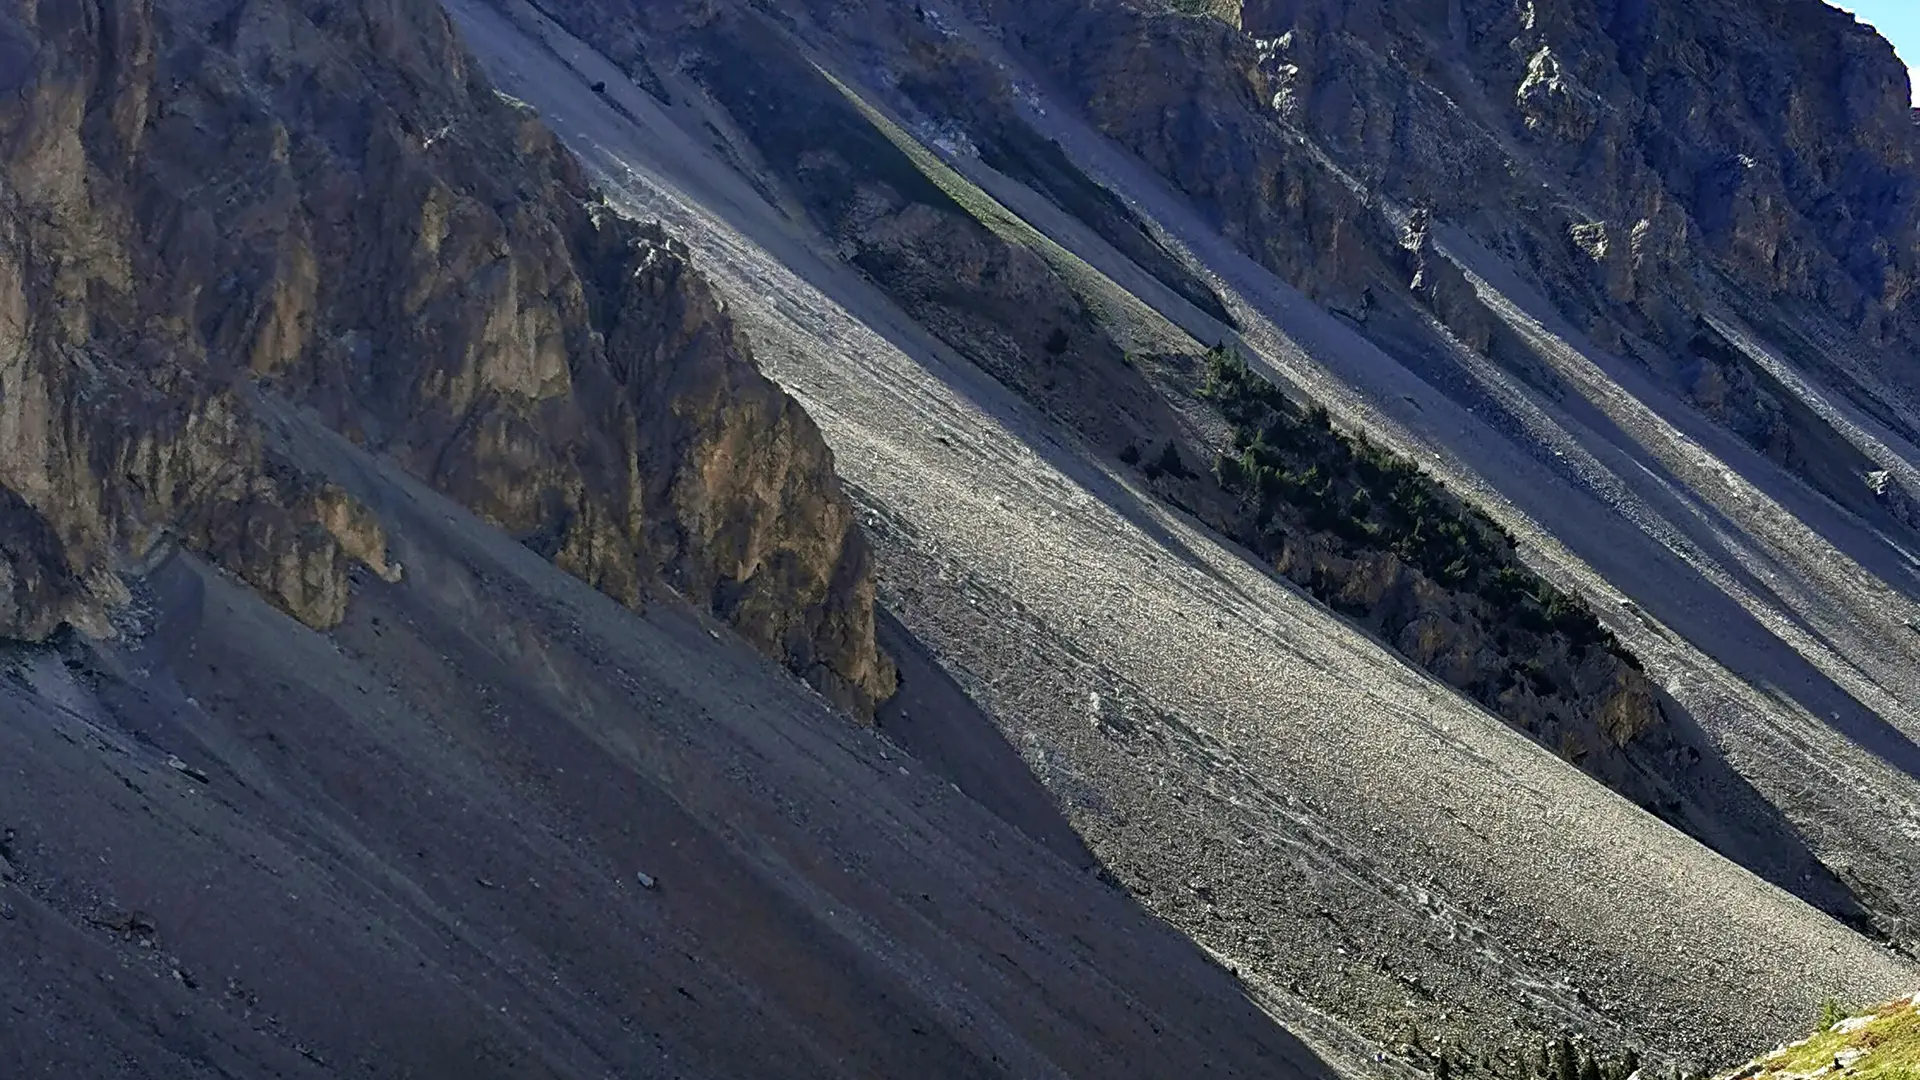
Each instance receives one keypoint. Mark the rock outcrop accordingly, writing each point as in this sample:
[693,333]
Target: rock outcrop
[1644,163]
[326,202]
[991,295]
[1617,148]
[1375,538]
[983,286]
[1772,141]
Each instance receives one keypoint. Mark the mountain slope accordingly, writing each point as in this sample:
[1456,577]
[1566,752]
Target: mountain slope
[328,201]
[1616,295]
[496,825]
[330,393]
[1359,840]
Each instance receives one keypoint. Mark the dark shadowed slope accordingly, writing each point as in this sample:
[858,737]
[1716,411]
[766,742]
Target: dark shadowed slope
[414,847]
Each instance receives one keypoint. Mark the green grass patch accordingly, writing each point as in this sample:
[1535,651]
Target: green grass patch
[1882,1045]
[1130,319]
[1017,151]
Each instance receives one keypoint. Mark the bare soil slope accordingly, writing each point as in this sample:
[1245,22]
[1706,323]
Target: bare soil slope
[495,825]
[1377,856]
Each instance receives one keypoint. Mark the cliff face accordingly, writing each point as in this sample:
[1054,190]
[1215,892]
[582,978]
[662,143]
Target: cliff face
[1617,146]
[985,288]
[326,202]
[1646,164]
[1773,141]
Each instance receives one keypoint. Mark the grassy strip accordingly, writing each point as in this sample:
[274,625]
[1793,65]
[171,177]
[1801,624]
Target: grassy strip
[1881,1045]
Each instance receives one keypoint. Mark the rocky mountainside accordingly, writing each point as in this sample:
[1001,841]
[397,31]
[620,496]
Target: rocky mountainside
[1391,529]
[1650,167]
[977,285]
[327,204]
[496,825]
[1673,480]
[319,362]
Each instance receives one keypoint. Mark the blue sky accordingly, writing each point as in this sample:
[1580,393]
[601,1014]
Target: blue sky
[1898,21]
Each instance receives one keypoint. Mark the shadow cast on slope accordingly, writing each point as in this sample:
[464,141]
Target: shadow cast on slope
[933,719]
[1678,593]
[1705,796]
[417,838]
[1683,599]
[1712,801]
[1722,809]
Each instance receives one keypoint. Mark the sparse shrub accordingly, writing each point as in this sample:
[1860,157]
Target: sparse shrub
[1231,472]
[1130,455]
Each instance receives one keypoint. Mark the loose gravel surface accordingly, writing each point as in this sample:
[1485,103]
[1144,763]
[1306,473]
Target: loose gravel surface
[1372,854]
[498,826]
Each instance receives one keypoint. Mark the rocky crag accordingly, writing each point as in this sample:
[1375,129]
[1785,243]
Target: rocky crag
[327,203]
[944,253]
[896,194]
[1651,166]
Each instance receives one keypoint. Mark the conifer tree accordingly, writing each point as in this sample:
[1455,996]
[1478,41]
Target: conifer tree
[1566,1064]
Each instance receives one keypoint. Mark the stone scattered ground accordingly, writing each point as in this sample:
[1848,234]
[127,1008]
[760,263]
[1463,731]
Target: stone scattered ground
[1376,858]
[496,825]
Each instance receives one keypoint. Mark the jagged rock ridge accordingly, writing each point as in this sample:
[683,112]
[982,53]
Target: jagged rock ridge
[1647,164]
[327,202]
[1003,306]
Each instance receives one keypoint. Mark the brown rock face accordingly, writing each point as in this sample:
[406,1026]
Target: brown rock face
[1584,703]
[1619,150]
[1773,140]
[326,200]
[1645,163]
[1191,97]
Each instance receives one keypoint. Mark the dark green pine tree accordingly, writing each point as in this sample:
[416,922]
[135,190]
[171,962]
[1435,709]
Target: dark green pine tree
[1629,1063]
[1566,1064]
[1543,1065]
[1442,1070]
[1590,1067]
